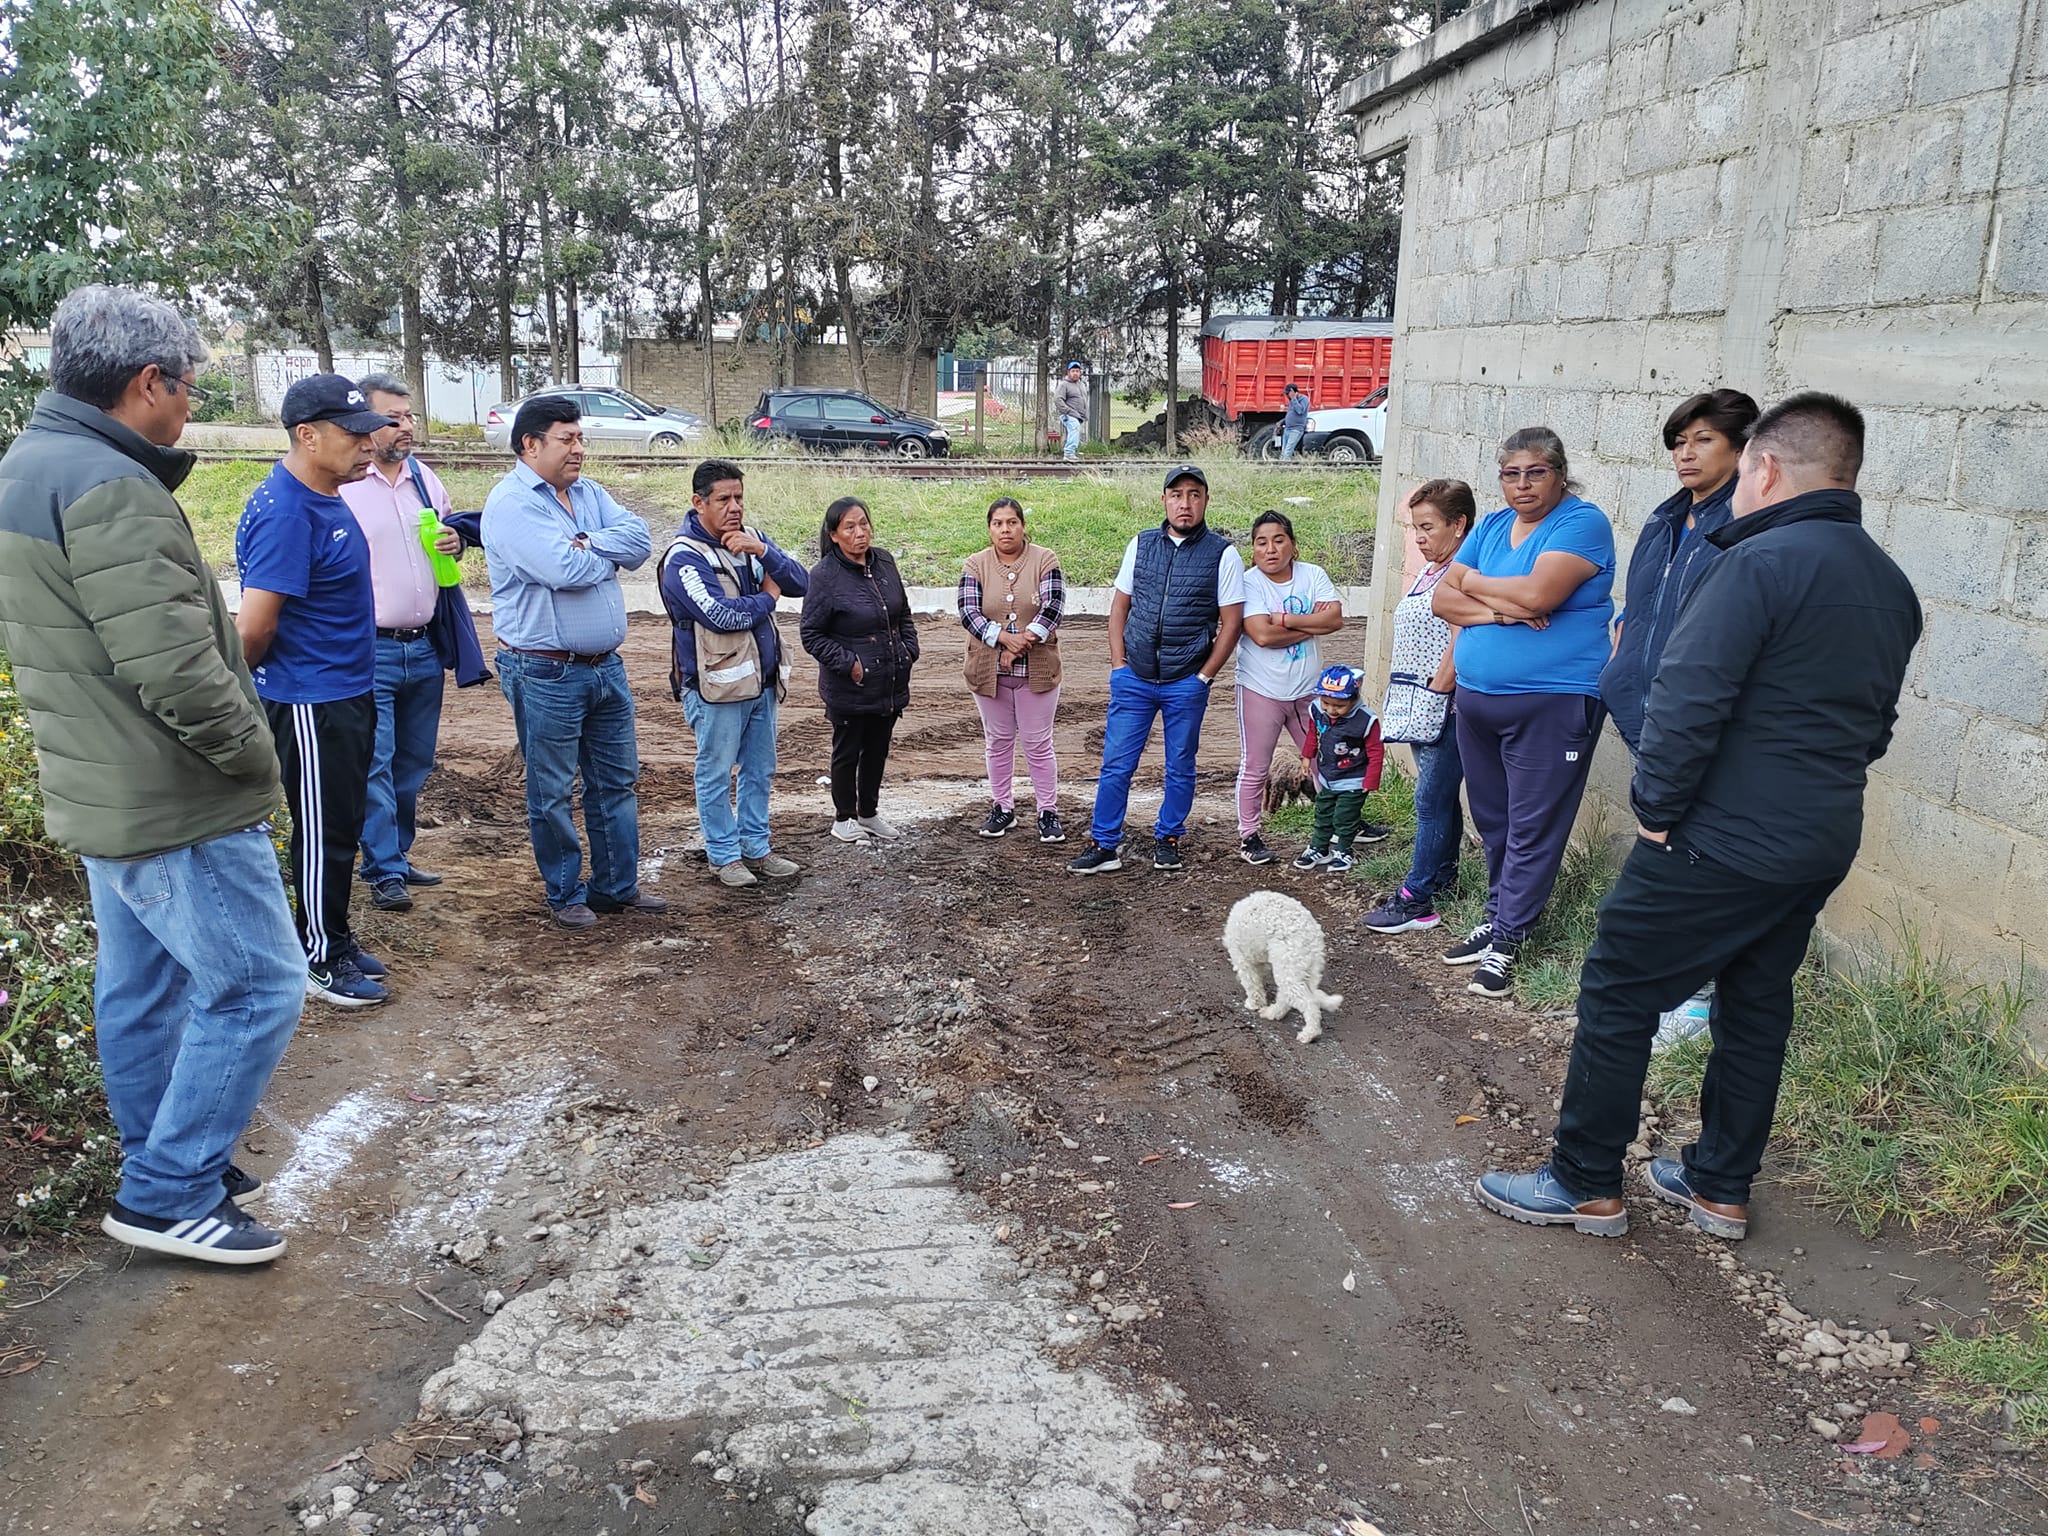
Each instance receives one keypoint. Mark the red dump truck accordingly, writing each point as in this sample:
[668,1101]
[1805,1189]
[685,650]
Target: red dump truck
[1249,360]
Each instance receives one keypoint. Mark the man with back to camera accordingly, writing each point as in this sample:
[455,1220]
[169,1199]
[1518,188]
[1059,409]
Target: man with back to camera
[1174,619]
[156,766]
[720,582]
[1777,690]
[555,543]
[387,503]
[309,633]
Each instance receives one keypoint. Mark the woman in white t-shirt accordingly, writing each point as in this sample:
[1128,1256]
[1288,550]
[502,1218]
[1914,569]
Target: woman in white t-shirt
[1287,604]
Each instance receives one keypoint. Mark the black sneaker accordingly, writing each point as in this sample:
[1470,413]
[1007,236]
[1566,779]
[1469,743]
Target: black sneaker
[391,896]
[225,1235]
[420,876]
[366,962]
[1473,949]
[1310,858]
[1253,850]
[1495,976]
[341,983]
[1399,913]
[239,1183]
[1372,832]
[999,821]
[1049,828]
[1098,860]
[1166,854]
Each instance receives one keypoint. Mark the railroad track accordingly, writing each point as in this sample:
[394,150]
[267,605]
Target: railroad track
[972,468]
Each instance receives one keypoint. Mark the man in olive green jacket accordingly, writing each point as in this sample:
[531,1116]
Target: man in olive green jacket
[157,768]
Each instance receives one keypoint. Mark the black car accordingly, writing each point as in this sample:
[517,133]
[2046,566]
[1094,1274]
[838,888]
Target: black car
[839,419]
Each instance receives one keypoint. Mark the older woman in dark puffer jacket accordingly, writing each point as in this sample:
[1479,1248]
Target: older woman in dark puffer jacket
[857,624]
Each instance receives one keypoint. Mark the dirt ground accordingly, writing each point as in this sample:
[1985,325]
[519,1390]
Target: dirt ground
[1320,1325]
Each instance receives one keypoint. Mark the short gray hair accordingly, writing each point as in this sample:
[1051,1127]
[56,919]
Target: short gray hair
[102,337]
[384,384]
[1545,444]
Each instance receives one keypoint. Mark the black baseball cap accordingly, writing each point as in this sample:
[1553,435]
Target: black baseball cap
[1186,472]
[330,397]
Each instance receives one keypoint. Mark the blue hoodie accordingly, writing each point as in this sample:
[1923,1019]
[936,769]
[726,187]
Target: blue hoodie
[1662,573]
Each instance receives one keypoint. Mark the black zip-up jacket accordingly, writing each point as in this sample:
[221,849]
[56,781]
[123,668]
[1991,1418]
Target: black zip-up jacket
[860,612]
[1778,689]
[1661,575]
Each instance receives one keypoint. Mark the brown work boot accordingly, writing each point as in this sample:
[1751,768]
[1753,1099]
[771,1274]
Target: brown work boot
[1669,1179]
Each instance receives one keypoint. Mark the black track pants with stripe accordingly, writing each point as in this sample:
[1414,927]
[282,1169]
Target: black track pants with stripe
[324,751]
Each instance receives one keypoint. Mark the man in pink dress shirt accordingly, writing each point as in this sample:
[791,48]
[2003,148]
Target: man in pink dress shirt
[387,503]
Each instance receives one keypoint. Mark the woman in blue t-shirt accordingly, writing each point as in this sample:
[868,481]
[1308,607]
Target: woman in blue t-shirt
[1529,590]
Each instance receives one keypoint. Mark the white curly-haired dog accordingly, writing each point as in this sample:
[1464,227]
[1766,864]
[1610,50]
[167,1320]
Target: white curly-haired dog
[1271,935]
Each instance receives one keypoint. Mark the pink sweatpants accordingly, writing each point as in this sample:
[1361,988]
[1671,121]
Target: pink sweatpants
[1017,712]
[1260,721]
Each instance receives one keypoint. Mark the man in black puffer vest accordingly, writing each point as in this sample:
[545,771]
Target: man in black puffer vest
[1777,691]
[1175,618]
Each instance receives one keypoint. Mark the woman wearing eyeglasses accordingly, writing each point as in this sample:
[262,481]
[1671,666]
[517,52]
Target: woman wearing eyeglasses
[1529,590]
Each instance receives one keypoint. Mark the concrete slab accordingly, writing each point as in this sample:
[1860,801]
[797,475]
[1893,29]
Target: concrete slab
[850,1322]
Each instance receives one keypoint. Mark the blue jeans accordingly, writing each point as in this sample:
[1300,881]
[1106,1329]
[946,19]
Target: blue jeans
[1290,439]
[200,983]
[1071,425]
[409,683]
[570,716]
[728,734]
[1439,822]
[1133,705]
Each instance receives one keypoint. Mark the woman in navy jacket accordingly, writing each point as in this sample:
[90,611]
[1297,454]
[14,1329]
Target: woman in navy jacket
[1705,436]
[857,624]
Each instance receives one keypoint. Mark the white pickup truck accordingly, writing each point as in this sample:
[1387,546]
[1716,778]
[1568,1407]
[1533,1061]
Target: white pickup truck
[1345,435]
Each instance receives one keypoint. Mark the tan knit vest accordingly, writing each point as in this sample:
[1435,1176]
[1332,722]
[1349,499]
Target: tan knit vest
[1013,604]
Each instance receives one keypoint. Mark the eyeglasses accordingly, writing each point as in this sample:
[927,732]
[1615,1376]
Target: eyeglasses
[1535,476]
[402,418]
[199,396]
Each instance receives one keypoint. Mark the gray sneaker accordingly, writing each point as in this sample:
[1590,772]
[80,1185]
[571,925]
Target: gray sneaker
[736,874]
[576,915]
[774,866]
[879,826]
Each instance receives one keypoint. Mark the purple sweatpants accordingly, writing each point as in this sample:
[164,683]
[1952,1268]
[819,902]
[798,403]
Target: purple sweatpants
[1526,758]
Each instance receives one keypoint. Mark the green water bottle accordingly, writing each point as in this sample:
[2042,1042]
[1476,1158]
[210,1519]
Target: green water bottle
[447,569]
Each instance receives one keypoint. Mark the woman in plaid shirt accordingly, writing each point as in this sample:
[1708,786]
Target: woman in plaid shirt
[1011,598]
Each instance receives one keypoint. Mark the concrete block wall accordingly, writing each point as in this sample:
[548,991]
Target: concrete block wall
[672,373]
[1615,203]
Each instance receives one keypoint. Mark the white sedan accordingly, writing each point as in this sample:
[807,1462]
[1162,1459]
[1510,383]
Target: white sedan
[612,417]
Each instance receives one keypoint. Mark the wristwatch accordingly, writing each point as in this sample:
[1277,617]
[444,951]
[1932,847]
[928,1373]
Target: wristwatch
[1207,680]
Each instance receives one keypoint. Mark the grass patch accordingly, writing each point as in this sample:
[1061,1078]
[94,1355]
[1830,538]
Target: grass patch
[1909,1097]
[930,525]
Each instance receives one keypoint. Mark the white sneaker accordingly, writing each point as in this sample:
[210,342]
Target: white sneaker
[849,831]
[875,826]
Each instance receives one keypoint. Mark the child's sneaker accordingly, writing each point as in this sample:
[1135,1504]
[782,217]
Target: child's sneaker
[1337,862]
[1309,858]
[1373,832]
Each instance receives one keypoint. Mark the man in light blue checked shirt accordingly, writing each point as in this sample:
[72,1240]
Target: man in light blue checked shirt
[556,544]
